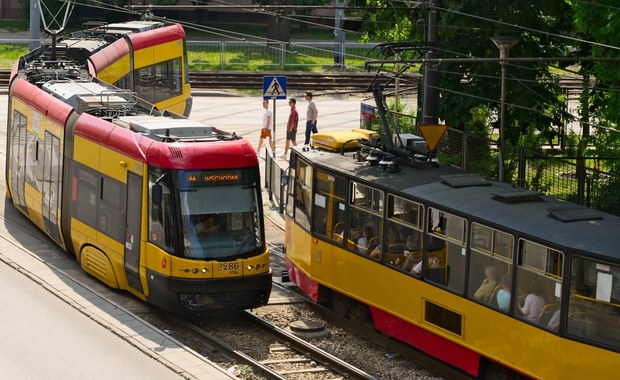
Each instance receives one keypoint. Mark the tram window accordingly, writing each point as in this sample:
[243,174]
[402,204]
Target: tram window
[159,81]
[364,237]
[445,252]
[34,167]
[329,206]
[405,211]
[109,213]
[85,195]
[366,197]
[290,187]
[404,247]
[162,221]
[365,220]
[490,260]
[302,196]
[594,301]
[539,278]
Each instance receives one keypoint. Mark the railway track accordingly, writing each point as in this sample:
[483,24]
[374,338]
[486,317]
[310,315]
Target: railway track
[243,80]
[297,82]
[277,355]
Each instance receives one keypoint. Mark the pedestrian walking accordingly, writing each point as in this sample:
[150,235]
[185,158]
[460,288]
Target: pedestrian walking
[265,132]
[311,114]
[291,127]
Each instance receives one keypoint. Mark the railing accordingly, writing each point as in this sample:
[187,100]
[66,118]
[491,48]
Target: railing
[259,55]
[283,56]
[275,172]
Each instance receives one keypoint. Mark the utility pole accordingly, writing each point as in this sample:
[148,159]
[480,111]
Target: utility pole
[504,43]
[339,34]
[35,22]
[431,75]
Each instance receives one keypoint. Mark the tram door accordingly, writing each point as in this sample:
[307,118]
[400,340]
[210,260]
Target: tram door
[51,185]
[17,158]
[132,240]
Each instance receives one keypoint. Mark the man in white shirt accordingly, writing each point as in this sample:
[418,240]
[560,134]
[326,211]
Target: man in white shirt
[265,131]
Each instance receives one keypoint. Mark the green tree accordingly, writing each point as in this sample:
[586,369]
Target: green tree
[533,96]
[600,22]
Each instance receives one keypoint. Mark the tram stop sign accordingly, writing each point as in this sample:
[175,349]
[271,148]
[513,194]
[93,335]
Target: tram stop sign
[432,133]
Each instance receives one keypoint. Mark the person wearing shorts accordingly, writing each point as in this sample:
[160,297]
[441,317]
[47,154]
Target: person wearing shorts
[291,127]
[265,132]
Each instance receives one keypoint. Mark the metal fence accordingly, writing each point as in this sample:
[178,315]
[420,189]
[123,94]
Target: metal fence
[274,173]
[239,55]
[575,179]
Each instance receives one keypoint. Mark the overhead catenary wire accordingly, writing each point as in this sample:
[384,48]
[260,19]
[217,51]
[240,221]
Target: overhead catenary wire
[271,11]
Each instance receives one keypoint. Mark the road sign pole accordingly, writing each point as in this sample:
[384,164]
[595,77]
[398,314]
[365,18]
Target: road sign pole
[274,88]
[274,126]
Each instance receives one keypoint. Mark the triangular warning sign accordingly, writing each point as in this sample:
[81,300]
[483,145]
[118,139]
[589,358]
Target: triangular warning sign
[275,88]
[432,133]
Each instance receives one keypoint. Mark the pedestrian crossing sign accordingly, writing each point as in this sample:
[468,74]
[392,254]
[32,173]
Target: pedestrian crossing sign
[274,87]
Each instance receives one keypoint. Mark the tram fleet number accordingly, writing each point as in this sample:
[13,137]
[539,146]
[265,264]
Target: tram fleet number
[228,267]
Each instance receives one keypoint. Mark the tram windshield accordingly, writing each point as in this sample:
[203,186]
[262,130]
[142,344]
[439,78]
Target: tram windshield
[219,217]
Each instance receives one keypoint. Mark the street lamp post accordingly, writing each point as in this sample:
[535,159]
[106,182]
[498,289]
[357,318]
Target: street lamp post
[504,43]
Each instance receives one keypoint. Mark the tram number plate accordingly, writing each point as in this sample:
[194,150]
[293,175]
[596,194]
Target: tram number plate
[228,267]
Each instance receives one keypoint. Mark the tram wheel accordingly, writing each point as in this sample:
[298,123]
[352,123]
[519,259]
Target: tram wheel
[495,371]
[341,304]
[360,313]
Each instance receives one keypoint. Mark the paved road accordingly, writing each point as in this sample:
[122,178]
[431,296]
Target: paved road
[43,337]
[243,114]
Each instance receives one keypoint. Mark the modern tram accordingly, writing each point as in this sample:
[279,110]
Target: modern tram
[148,201]
[498,281]
[147,57]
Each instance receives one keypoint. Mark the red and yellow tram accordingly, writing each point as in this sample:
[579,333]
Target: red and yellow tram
[148,201]
[498,281]
[147,57]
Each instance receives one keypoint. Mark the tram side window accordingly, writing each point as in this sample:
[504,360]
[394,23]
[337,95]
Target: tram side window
[403,248]
[290,187]
[445,253]
[159,81]
[109,216]
[302,196]
[594,301]
[34,164]
[329,205]
[365,220]
[85,194]
[162,222]
[490,260]
[538,285]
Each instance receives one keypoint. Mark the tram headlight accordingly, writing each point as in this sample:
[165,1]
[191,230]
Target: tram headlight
[250,268]
[204,271]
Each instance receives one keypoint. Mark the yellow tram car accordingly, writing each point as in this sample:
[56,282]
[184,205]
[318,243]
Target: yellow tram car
[498,281]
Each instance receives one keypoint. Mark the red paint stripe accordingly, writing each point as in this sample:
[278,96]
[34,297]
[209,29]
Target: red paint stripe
[309,287]
[434,345]
[109,55]
[157,36]
[39,100]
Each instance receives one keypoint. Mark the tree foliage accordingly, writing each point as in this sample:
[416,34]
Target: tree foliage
[464,30]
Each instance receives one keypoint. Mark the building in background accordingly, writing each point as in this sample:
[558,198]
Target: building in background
[9,9]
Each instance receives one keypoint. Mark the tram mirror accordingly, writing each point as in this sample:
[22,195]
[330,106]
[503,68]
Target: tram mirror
[156,194]
[284,180]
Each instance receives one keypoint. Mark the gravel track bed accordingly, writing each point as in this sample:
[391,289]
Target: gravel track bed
[258,344]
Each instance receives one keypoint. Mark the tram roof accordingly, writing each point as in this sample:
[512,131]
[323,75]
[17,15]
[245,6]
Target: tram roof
[498,204]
